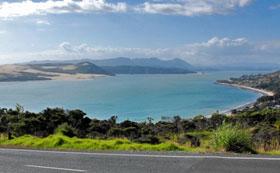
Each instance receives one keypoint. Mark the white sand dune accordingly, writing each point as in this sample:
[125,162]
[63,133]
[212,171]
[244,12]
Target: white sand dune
[19,69]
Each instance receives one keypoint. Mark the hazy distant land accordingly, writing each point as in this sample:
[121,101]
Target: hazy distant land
[87,69]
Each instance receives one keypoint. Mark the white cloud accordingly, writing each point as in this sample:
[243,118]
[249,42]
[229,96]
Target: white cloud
[10,10]
[191,7]
[66,47]
[215,51]
[3,32]
[43,22]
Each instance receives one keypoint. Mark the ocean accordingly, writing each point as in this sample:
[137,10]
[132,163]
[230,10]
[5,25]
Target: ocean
[133,97]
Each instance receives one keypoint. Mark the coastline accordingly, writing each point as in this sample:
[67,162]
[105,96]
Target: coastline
[261,91]
[243,87]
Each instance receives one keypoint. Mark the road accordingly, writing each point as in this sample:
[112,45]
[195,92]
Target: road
[34,161]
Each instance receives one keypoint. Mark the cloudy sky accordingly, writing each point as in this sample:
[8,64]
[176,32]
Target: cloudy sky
[201,32]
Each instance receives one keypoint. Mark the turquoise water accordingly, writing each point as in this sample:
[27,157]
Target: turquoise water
[133,97]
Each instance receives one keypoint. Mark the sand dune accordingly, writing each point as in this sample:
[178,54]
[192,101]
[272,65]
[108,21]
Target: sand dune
[22,72]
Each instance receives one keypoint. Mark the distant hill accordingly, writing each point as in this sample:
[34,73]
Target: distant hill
[145,62]
[123,61]
[124,65]
[173,63]
[144,70]
[82,67]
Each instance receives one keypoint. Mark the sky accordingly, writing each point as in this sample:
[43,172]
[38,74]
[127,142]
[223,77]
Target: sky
[202,32]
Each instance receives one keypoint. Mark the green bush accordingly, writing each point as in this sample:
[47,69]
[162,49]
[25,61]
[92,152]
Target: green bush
[148,139]
[277,124]
[193,139]
[233,139]
[65,129]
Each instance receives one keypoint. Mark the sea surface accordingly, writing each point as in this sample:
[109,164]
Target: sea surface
[133,97]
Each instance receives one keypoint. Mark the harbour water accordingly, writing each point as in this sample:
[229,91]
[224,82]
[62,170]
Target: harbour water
[133,97]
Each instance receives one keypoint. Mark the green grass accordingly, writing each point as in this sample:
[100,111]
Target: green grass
[273,152]
[62,142]
[219,141]
[232,138]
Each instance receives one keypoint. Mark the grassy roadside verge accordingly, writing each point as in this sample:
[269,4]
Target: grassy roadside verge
[64,143]
[61,142]
[226,138]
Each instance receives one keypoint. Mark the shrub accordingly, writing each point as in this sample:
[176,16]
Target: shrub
[116,132]
[193,139]
[149,139]
[233,139]
[65,129]
[277,124]
[266,136]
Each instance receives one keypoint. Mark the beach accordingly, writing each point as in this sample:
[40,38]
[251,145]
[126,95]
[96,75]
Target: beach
[248,104]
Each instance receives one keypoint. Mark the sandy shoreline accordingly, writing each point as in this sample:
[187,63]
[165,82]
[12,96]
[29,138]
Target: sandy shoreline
[261,91]
[248,104]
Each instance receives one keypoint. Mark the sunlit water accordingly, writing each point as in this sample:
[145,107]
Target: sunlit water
[133,97]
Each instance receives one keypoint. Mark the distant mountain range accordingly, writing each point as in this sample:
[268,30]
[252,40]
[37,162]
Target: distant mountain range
[144,62]
[123,61]
[124,65]
[126,69]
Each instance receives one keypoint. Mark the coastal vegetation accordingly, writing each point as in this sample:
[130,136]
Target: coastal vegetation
[267,84]
[232,139]
[250,132]
[270,81]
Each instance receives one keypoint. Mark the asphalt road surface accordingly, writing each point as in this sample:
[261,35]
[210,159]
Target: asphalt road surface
[34,161]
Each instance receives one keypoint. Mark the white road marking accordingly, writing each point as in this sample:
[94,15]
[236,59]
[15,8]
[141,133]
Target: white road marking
[149,155]
[55,168]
